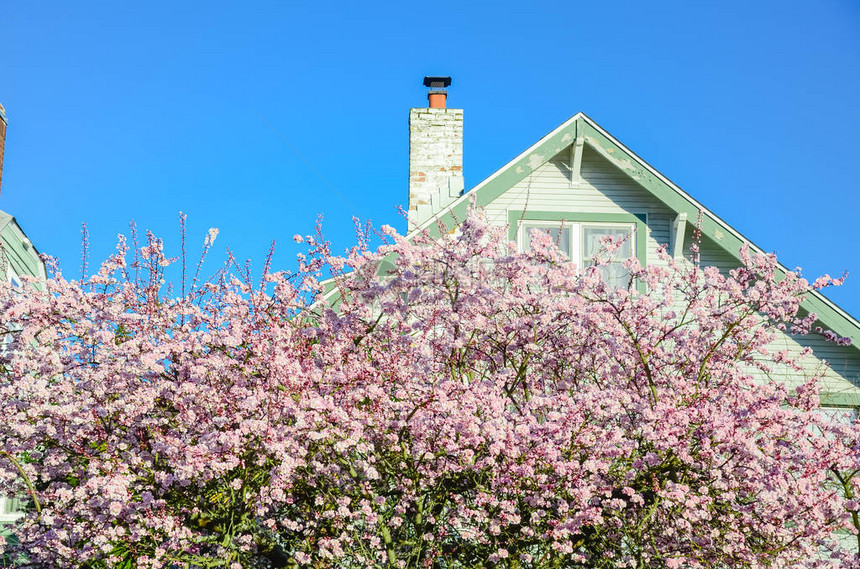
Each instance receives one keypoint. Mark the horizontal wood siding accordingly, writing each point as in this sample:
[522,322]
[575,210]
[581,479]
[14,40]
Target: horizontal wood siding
[838,367]
[605,189]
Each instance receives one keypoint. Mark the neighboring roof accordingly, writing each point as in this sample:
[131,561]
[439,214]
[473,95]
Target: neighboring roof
[580,126]
[5,219]
[19,250]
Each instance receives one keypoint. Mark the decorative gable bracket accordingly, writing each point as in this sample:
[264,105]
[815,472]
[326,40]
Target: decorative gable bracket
[679,227]
[576,161]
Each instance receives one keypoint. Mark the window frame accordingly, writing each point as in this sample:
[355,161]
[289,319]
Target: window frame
[15,513]
[573,238]
[639,222]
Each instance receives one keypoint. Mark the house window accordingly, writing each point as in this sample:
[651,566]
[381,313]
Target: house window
[560,233]
[10,509]
[613,272]
[581,241]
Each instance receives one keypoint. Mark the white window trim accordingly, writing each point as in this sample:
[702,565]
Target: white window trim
[575,233]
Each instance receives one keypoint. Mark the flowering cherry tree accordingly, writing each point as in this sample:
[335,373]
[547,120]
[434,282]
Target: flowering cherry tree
[460,404]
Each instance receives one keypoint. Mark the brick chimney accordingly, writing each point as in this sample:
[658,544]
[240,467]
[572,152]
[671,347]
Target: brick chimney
[2,139]
[435,154]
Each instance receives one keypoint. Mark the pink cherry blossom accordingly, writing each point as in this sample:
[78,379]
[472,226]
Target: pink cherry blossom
[451,403]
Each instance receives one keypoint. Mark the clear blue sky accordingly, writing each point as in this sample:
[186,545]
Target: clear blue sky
[123,112]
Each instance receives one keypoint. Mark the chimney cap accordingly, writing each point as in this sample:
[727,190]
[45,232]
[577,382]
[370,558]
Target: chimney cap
[437,82]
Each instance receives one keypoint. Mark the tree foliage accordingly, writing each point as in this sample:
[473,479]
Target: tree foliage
[472,407]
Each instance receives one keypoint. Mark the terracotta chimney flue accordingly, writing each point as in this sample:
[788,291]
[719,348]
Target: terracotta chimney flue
[437,96]
[437,100]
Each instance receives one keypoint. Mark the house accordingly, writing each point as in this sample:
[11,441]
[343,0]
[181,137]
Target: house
[18,257]
[581,175]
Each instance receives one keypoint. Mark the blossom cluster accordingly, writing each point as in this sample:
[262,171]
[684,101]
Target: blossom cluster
[455,403]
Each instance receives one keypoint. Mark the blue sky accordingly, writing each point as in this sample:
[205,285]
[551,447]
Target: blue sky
[120,112]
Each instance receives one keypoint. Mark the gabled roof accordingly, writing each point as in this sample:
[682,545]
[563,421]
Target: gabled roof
[676,199]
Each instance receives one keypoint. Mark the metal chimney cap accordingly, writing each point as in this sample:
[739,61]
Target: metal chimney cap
[437,82]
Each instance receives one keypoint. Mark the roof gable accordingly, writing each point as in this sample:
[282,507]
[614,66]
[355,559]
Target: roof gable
[581,128]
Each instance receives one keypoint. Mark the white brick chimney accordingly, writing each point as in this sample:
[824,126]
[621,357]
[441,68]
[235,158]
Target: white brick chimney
[435,154]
